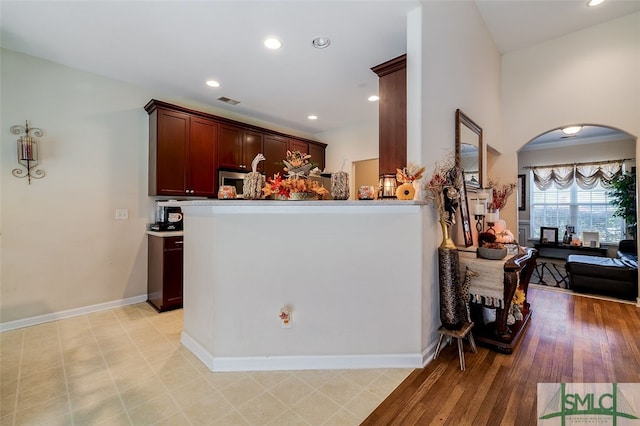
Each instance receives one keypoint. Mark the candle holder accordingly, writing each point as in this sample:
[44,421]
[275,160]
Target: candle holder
[387,186]
[479,220]
[493,216]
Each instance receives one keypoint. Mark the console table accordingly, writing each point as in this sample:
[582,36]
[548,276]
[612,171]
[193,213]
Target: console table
[562,251]
[493,285]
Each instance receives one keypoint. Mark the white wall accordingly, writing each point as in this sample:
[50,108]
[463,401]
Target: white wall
[459,67]
[61,246]
[590,76]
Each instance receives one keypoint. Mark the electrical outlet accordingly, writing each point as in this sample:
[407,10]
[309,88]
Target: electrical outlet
[122,214]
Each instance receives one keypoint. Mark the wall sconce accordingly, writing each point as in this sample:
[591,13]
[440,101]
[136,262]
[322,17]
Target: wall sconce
[387,186]
[27,152]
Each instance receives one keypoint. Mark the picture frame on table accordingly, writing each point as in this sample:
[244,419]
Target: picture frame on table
[522,192]
[548,236]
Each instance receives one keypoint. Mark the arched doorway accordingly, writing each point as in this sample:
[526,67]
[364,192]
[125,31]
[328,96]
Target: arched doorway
[592,143]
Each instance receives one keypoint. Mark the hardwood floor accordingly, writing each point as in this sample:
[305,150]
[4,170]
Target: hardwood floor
[569,339]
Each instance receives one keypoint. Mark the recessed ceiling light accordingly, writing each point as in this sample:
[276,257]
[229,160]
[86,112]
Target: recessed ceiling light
[321,42]
[592,3]
[312,117]
[373,98]
[273,43]
[571,130]
[213,83]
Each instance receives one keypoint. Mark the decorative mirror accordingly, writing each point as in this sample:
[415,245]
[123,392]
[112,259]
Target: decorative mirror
[469,150]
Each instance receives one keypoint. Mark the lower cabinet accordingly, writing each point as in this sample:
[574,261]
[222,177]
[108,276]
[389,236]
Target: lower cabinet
[164,282]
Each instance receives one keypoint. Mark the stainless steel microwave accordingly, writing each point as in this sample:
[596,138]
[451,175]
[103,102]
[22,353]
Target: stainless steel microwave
[235,179]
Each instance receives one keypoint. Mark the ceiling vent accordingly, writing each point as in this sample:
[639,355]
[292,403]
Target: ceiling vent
[228,100]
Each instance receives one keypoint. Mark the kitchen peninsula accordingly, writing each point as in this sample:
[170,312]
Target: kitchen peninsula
[350,272]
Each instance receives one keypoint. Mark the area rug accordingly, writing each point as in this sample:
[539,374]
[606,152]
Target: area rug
[550,272]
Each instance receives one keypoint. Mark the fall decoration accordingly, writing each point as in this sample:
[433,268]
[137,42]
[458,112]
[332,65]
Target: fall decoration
[444,189]
[285,187]
[500,194]
[409,173]
[297,167]
[405,191]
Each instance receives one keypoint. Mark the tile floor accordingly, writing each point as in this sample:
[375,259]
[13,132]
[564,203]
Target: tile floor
[126,366]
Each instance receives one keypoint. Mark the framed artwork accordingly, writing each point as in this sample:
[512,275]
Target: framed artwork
[522,192]
[549,236]
[464,216]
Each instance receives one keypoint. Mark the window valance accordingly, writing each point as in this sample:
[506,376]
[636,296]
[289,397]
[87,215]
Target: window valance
[586,175]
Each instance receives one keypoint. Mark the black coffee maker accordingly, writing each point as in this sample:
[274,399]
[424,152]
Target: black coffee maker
[168,218]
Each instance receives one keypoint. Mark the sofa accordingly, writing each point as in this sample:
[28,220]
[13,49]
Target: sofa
[615,277]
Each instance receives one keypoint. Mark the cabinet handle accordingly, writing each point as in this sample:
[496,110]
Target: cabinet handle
[179,242]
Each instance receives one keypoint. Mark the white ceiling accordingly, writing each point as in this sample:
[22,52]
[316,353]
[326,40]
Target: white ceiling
[173,47]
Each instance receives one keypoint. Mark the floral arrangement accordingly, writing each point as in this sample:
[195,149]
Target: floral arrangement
[297,166]
[444,189]
[410,173]
[488,240]
[284,187]
[518,297]
[500,194]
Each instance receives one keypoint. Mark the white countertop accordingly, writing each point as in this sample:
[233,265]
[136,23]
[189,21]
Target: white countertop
[165,234]
[315,203]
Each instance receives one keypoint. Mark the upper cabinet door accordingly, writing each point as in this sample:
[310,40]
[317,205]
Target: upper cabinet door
[230,147]
[317,155]
[170,152]
[201,173]
[275,150]
[252,146]
[298,145]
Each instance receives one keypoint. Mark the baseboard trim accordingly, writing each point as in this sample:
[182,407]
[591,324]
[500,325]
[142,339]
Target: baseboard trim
[40,319]
[304,362]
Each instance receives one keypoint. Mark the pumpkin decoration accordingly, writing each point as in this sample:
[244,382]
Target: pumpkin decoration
[405,191]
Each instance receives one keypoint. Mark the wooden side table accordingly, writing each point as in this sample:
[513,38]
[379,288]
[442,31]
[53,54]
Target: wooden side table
[464,331]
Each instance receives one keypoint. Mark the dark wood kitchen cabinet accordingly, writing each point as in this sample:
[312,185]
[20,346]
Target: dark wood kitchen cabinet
[164,279]
[392,111]
[317,153]
[188,147]
[182,153]
[298,145]
[316,150]
[237,147]
[275,150]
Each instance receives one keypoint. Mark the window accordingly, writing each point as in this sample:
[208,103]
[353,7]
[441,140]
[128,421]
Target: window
[586,209]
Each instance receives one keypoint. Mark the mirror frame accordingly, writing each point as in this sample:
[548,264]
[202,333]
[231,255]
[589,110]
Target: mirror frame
[463,120]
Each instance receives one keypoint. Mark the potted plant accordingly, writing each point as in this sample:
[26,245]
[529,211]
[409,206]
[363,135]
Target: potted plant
[623,196]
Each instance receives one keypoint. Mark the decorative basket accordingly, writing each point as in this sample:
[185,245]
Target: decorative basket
[492,254]
[303,196]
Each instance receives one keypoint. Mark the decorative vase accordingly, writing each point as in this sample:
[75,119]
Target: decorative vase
[452,311]
[417,186]
[252,186]
[340,185]
[447,242]
[405,191]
